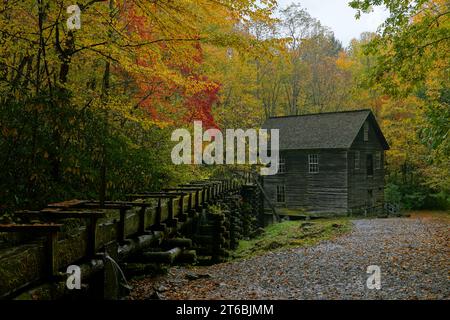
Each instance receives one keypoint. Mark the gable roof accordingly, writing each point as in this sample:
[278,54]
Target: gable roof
[334,130]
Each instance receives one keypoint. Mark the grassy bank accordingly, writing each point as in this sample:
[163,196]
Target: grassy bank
[292,234]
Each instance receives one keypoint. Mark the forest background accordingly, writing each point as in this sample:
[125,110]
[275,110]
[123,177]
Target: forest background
[88,113]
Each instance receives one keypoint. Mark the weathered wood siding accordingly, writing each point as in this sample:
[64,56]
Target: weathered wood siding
[339,186]
[358,182]
[325,191]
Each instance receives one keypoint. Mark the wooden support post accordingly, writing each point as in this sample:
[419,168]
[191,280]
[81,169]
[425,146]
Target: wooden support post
[52,254]
[181,215]
[141,228]
[212,187]
[190,203]
[197,200]
[215,191]
[171,221]
[142,212]
[158,226]
[204,195]
[121,230]
[158,216]
[193,192]
[170,209]
[51,247]
[54,213]
[210,194]
[206,192]
[92,236]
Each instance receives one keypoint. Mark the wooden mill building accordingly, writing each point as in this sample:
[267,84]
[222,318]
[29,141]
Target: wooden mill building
[329,163]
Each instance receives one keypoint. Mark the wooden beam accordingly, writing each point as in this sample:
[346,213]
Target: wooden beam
[107,206]
[126,203]
[51,232]
[61,214]
[67,204]
[183,189]
[154,196]
[91,217]
[192,186]
[33,228]
[167,257]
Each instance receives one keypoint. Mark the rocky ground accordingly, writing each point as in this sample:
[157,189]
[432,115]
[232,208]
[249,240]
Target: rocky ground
[412,253]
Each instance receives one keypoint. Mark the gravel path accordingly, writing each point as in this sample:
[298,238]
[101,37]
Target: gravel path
[413,255]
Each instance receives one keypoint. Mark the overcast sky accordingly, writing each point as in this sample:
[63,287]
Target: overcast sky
[339,17]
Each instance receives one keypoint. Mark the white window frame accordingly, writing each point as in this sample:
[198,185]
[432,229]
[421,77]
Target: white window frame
[378,160]
[313,163]
[357,163]
[282,165]
[281,193]
[366,131]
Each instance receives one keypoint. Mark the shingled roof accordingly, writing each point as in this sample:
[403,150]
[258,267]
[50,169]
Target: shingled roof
[335,130]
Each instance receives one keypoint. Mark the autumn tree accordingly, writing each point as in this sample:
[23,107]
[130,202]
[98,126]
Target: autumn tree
[413,59]
[115,86]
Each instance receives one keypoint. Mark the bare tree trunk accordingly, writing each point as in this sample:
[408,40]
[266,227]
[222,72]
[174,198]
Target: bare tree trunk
[105,98]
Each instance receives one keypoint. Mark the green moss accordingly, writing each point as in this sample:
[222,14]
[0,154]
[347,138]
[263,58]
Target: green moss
[291,234]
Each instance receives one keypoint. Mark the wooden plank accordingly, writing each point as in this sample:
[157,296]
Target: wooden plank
[183,189]
[153,196]
[67,204]
[161,193]
[54,213]
[43,228]
[194,187]
[126,203]
[107,206]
